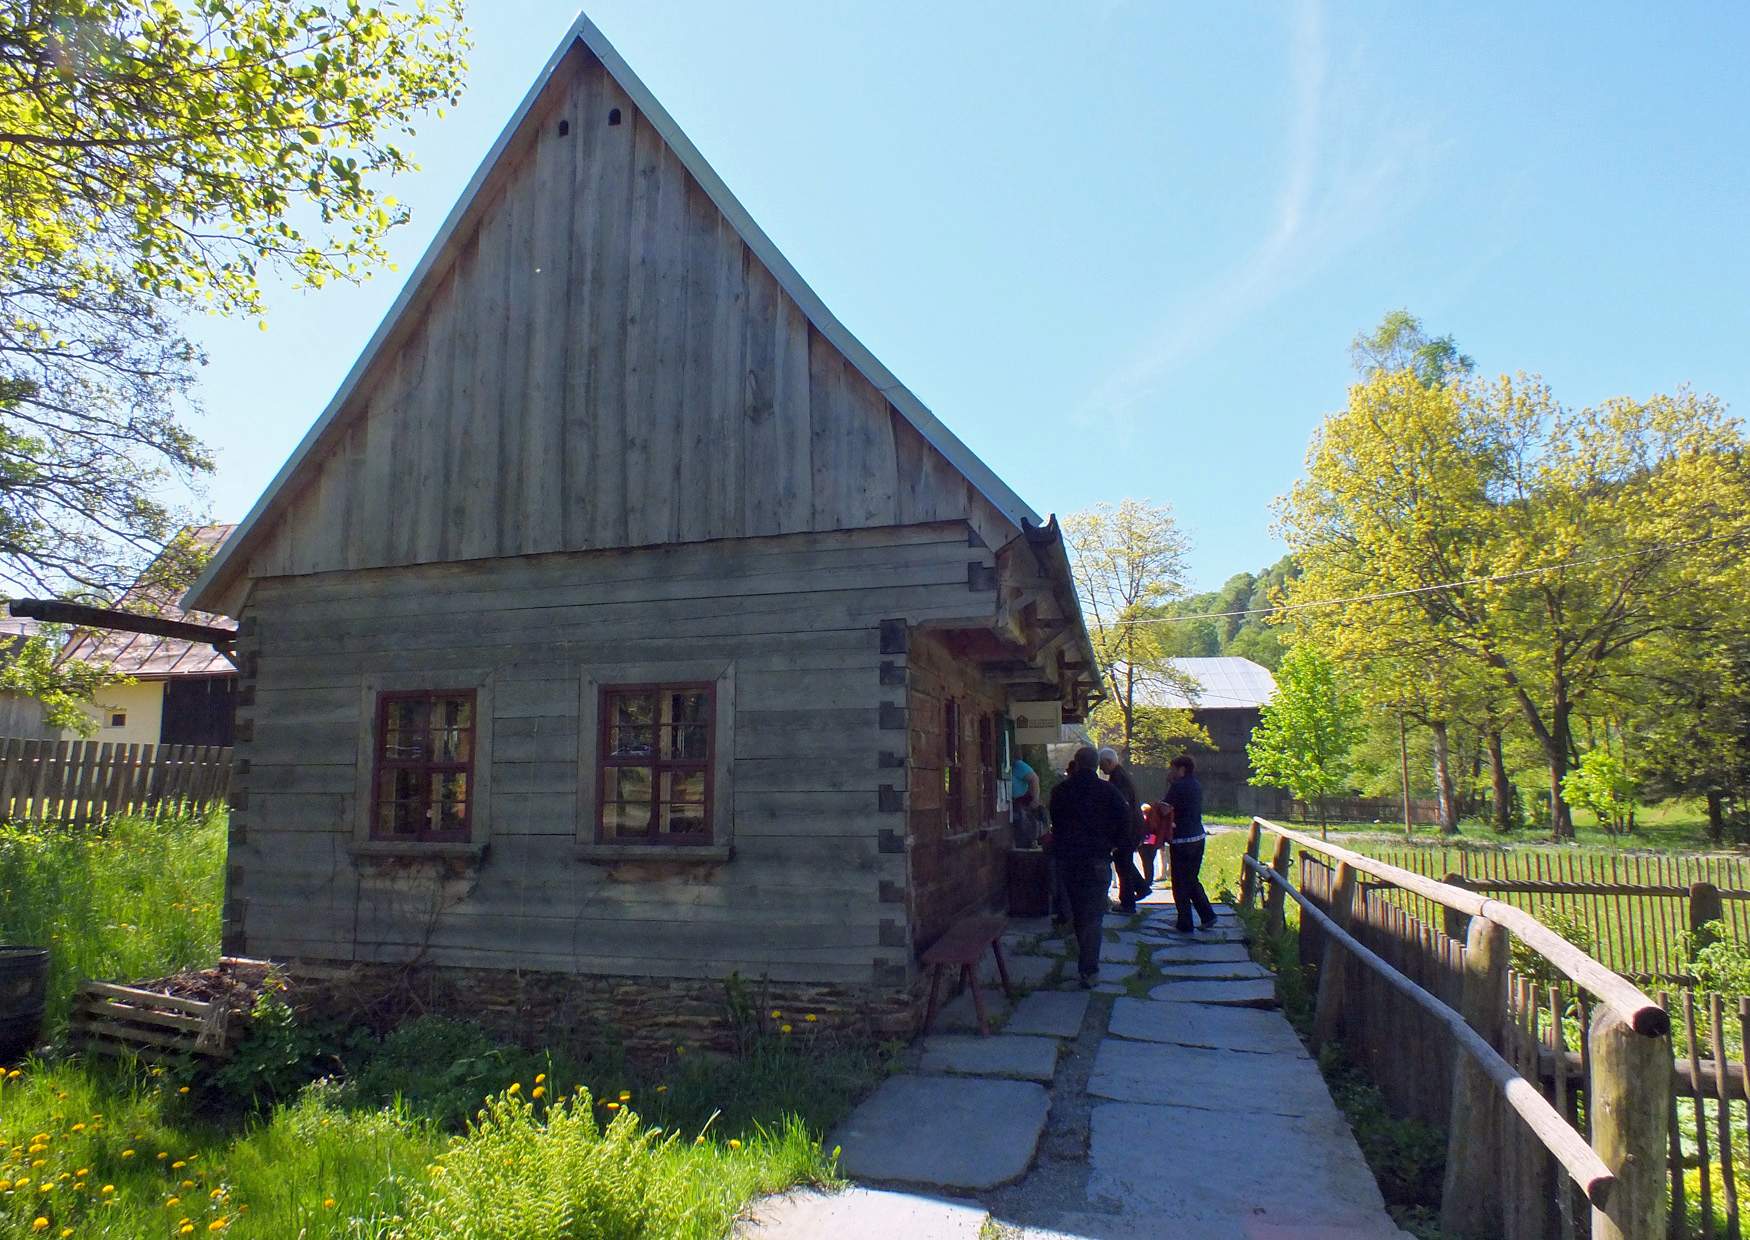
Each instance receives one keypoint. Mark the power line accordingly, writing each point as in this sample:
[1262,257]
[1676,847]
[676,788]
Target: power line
[1431,589]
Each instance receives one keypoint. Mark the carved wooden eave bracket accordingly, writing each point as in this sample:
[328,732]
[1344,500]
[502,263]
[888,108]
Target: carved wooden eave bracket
[1034,641]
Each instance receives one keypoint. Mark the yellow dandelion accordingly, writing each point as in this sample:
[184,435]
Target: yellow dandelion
[811,1018]
[783,1028]
[107,1189]
[216,1193]
[127,1153]
[39,1224]
[78,1127]
[47,1188]
[182,1089]
[188,1184]
[662,1089]
[163,1154]
[328,1203]
[776,1014]
[187,1229]
[540,1078]
[218,1224]
[612,1106]
[83,1171]
[734,1144]
[515,1088]
[698,1140]
[172,1203]
[178,1165]
[539,1091]
[625,1095]
[65,1232]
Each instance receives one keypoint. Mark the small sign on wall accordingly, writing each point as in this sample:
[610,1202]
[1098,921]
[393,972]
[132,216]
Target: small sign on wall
[1037,723]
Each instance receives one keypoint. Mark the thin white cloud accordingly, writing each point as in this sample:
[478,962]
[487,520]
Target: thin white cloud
[1330,198]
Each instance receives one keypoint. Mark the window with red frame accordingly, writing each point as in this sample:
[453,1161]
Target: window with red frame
[653,782]
[424,778]
[987,769]
[952,784]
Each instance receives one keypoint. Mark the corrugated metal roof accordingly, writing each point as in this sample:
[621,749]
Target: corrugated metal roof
[1226,683]
[158,658]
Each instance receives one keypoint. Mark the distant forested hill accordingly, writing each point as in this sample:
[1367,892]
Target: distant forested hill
[1246,636]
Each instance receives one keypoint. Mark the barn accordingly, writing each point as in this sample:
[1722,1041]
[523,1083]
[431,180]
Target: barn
[623,626]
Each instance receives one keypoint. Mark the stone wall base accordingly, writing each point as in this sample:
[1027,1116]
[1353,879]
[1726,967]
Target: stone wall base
[646,1016]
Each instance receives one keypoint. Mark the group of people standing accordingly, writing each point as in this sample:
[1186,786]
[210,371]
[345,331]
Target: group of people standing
[1099,824]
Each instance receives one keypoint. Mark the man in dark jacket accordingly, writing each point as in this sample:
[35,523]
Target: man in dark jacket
[1131,885]
[1089,819]
[1185,796]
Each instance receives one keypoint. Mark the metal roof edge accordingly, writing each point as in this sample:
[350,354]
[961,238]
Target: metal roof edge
[896,393]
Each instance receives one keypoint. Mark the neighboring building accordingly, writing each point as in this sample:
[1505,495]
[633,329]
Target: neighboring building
[21,716]
[183,693]
[623,626]
[1231,693]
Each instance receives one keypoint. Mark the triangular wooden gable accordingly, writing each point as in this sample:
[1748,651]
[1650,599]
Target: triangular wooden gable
[601,350]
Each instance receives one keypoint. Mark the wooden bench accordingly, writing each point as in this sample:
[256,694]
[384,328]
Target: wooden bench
[964,945]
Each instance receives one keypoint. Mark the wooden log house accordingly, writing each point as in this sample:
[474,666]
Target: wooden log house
[623,624]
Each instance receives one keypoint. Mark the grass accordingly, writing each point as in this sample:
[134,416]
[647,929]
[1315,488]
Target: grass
[1670,826]
[606,1148]
[131,898]
[118,1155]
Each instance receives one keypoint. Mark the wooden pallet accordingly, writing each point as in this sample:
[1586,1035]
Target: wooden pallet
[124,1020]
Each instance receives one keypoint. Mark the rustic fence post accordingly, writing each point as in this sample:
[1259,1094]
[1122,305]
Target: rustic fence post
[1470,1203]
[1705,905]
[1328,1010]
[1630,1104]
[1277,897]
[1249,880]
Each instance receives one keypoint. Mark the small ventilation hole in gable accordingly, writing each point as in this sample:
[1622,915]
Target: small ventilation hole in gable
[613,116]
[564,128]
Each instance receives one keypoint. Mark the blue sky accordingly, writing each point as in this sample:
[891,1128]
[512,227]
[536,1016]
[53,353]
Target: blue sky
[1121,247]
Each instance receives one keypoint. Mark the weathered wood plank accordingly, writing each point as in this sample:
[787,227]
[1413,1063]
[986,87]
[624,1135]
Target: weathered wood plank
[549,283]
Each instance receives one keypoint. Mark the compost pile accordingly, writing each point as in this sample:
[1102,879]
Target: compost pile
[235,982]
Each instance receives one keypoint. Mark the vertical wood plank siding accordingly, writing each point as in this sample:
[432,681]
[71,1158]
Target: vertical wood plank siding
[799,615]
[602,363]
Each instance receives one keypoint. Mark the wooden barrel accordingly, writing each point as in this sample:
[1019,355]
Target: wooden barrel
[24,978]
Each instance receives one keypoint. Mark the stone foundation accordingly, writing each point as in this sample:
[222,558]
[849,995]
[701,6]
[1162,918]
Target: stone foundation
[647,1016]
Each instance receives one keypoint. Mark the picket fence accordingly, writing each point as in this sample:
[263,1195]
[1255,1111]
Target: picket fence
[86,781]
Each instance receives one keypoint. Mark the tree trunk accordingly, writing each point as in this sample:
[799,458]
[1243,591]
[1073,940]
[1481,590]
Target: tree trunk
[1404,770]
[1443,778]
[1561,818]
[1499,786]
[1716,818]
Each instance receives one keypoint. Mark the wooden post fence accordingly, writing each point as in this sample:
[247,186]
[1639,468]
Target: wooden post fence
[1503,1130]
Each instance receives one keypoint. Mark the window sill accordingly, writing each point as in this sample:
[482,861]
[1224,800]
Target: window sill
[656,852]
[409,848]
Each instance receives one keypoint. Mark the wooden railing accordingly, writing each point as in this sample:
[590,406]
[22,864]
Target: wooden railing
[1496,1102]
[84,781]
[1634,907]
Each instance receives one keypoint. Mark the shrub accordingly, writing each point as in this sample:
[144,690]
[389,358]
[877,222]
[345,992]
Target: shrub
[441,1068]
[1719,964]
[529,1171]
[1528,962]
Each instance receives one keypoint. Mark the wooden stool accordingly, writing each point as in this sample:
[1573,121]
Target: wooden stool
[964,944]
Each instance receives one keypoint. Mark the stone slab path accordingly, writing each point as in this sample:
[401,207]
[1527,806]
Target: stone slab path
[1177,1105]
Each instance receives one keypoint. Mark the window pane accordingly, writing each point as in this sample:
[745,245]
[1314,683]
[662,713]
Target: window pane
[687,707]
[449,787]
[626,819]
[688,742]
[626,783]
[404,729]
[452,712]
[400,808]
[683,820]
[688,786]
[452,745]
